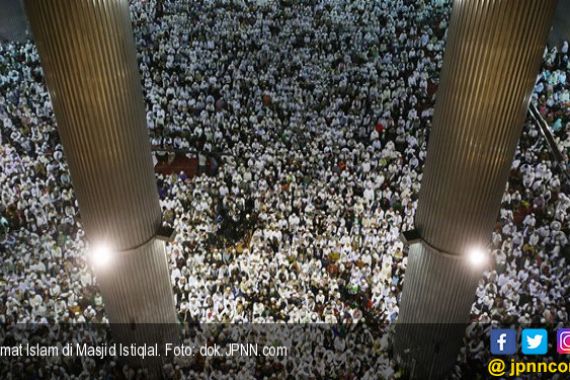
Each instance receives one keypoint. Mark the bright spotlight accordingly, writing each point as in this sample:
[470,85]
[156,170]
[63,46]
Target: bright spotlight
[101,255]
[478,257]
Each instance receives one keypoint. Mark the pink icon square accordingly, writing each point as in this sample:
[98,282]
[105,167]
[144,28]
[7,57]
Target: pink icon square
[563,341]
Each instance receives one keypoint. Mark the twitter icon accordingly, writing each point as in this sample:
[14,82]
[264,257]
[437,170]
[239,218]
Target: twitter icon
[534,341]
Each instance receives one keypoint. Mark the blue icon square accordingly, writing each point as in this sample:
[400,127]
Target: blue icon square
[534,341]
[503,341]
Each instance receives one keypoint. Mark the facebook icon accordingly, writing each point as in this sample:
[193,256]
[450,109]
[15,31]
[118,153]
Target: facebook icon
[503,342]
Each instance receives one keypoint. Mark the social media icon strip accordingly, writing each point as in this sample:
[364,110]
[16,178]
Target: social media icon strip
[503,341]
[534,341]
[563,341]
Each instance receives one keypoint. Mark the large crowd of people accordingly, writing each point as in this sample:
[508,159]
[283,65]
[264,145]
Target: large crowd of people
[552,95]
[322,111]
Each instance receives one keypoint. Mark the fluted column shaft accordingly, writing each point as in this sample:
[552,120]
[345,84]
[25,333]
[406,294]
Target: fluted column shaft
[493,54]
[492,57]
[89,60]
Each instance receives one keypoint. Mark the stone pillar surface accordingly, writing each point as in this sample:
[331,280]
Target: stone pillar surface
[492,57]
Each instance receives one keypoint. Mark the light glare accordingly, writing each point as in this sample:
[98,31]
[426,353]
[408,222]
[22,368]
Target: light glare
[478,257]
[101,255]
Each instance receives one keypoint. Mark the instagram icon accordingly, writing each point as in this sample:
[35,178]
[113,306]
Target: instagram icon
[563,341]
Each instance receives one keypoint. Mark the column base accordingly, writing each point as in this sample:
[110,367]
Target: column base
[439,290]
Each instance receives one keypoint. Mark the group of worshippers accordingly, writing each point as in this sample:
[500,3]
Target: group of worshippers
[322,110]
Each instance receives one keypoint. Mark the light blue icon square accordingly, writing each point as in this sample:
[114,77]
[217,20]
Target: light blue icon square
[534,341]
